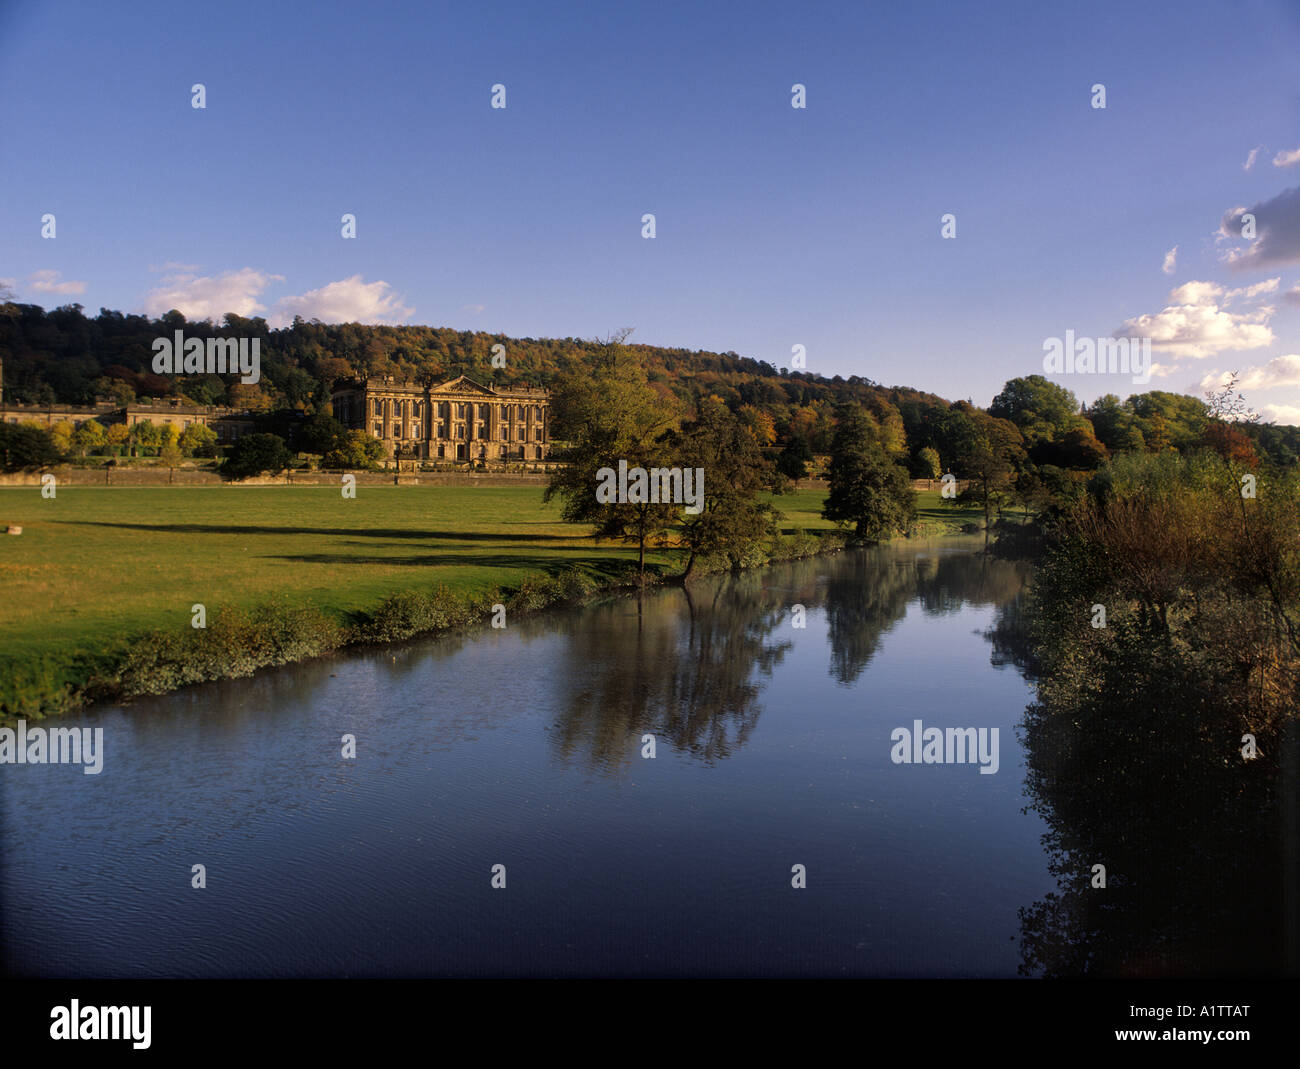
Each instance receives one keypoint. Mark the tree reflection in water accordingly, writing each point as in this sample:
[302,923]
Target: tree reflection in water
[1133,760]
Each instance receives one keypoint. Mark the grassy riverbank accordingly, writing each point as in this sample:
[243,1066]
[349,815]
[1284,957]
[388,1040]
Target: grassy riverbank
[283,573]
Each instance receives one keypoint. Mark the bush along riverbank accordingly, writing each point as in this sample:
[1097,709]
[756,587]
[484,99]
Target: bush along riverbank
[238,642]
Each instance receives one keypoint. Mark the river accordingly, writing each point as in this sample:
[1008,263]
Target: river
[523,748]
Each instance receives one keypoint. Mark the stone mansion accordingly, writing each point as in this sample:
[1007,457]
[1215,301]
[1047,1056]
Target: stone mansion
[457,420]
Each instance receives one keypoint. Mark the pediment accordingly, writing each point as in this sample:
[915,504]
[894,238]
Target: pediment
[464,385]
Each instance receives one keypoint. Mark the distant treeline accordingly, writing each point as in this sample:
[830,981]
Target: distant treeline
[63,356]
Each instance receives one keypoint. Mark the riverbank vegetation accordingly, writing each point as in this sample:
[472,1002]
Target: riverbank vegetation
[1163,630]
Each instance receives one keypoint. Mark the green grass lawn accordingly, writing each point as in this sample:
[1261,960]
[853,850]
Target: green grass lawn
[97,565]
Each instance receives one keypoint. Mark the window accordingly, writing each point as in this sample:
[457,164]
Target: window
[379,429]
[460,430]
[397,430]
[460,411]
[442,430]
[418,406]
[379,408]
[415,430]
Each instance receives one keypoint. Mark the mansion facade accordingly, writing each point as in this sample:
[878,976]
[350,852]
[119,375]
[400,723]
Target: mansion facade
[459,420]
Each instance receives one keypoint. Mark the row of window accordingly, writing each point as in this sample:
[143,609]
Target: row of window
[521,433]
[415,409]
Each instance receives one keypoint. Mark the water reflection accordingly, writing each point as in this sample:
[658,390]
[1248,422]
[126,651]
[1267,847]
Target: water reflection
[694,672]
[1132,763]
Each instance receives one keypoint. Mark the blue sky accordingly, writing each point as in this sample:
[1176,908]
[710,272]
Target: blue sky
[774,226]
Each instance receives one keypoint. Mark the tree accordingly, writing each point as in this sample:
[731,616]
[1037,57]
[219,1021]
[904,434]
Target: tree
[889,426]
[116,436]
[170,452]
[926,464]
[296,388]
[794,459]
[254,454]
[758,423]
[1040,409]
[1168,420]
[1110,421]
[867,489]
[988,454]
[1077,449]
[145,435]
[607,412]
[204,389]
[61,435]
[1157,434]
[88,437]
[356,450]
[322,433]
[121,393]
[198,440]
[732,518]
[23,448]
[250,397]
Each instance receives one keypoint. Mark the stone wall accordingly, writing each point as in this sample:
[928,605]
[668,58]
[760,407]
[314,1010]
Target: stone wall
[193,477]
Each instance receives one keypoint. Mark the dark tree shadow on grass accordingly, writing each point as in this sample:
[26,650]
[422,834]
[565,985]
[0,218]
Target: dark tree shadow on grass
[606,567]
[233,529]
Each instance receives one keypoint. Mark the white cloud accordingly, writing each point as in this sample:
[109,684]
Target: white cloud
[1292,296]
[1250,160]
[1171,261]
[1286,159]
[1251,292]
[47,281]
[1161,371]
[475,309]
[1280,371]
[1194,324]
[209,297]
[347,301]
[1288,415]
[1196,293]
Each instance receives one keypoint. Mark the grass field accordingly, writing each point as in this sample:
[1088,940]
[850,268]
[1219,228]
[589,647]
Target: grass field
[97,565]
